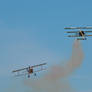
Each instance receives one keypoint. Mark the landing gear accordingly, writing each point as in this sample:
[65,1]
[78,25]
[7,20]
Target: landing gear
[34,74]
[28,75]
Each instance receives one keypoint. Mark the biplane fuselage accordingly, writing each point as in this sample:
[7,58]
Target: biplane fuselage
[30,71]
[81,33]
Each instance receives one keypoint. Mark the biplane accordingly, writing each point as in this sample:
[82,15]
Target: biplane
[29,70]
[82,32]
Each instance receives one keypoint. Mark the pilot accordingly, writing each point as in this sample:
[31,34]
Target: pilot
[30,70]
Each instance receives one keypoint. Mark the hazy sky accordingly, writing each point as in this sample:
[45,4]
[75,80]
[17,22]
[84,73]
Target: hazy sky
[32,32]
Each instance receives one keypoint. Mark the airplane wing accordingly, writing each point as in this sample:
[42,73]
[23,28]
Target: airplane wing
[20,69]
[72,31]
[88,31]
[24,74]
[71,28]
[73,36]
[38,65]
[88,35]
[75,28]
[40,70]
[86,27]
[28,67]
[20,75]
[78,28]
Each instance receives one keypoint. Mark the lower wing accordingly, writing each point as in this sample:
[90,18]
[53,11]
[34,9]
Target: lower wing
[88,35]
[88,31]
[73,36]
[72,32]
[17,75]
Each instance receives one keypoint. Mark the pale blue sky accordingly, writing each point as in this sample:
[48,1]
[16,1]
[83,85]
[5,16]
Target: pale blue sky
[32,32]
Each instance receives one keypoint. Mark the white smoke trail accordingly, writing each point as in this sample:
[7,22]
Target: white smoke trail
[56,78]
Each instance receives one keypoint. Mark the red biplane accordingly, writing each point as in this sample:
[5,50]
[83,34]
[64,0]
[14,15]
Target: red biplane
[29,70]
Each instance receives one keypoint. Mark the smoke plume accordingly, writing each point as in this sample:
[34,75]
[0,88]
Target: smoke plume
[56,78]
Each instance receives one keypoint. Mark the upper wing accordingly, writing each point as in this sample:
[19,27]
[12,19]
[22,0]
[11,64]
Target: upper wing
[38,65]
[19,70]
[72,31]
[30,67]
[78,28]
[75,28]
[72,28]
